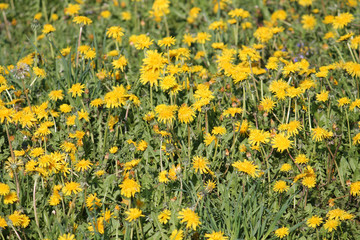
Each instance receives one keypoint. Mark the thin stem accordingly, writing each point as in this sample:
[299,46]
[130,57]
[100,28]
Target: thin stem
[16,233]
[78,45]
[34,205]
[189,142]
[6,25]
[348,126]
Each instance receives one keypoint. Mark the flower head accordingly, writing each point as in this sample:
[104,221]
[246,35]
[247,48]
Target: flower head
[189,217]
[133,214]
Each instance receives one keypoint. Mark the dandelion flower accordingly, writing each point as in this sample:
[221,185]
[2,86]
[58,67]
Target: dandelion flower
[355,188]
[133,214]
[281,186]
[83,165]
[258,136]
[10,198]
[3,223]
[166,113]
[164,216]
[77,89]
[314,221]
[301,159]
[285,167]
[309,182]
[71,187]
[129,187]
[82,20]
[247,167]
[167,41]
[4,189]
[323,96]
[282,232]
[189,217]
[218,130]
[93,201]
[177,235]
[186,114]
[281,142]
[331,224]
[308,22]
[68,236]
[216,236]
[342,20]
[200,164]
[120,63]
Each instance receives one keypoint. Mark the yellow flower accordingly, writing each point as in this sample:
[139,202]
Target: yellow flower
[267,104]
[120,63]
[166,113]
[130,165]
[141,41]
[133,214]
[71,187]
[164,216]
[76,89]
[342,20]
[129,187]
[282,232]
[83,165]
[82,20]
[19,219]
[263,34]
[56,95]
[331,225]
[208,139]
[232,111]
[309,182]
[3,223]
[305,3]
[177,235]
[115,32]
[343,101]
[202,37]
[72,9]
[301,159]
[48,28]
[167,41]
[323,96]
[218,130]
[93,201]
[239,13]
[258,136]
[281,186]
[68,236]
[314,221]
[200,164]
[186,114]
[163,177]
[4,6]
[319,134]
[308,22]
[216,236]
[189,217]
[355,188]
[99,226]
[105,14]
[97,102]
[247,167]
[4,189]
[285,167]
[292,128]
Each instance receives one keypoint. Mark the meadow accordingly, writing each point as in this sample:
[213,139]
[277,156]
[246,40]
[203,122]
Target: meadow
[217,120]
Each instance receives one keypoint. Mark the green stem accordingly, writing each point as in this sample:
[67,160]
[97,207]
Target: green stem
[348,126]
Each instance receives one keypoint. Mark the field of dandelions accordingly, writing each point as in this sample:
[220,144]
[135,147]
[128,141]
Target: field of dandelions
[162,119]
